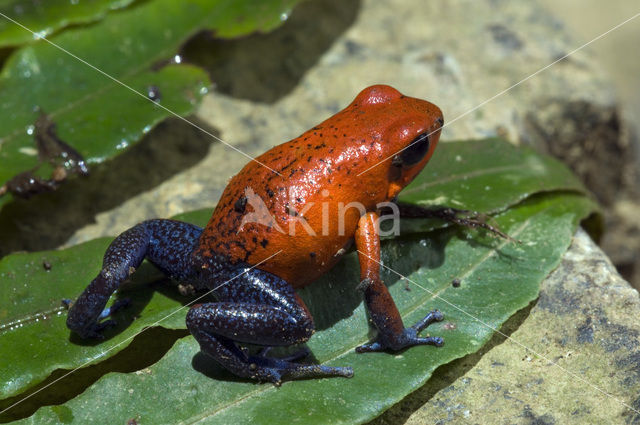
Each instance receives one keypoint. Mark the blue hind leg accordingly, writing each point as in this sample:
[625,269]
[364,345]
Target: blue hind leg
[166,243]
[255,307]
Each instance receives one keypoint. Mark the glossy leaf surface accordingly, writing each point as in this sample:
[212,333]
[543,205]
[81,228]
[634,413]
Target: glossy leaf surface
[44,18]
[498,278]
[94,114]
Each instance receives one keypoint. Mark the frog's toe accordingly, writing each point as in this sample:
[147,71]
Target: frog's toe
[83,320]
[117,305]
[407,338]
[297,370]
[431,340]
[371,347]
[274,369]
[433,316]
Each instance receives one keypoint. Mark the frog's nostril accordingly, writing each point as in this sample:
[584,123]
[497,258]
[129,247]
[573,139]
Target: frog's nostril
[440,121]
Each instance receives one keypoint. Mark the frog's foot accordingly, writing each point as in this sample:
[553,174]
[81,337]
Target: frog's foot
[259,366]
[93,327]
[93,330]
[408,338]
[472,220]
[274,370]
[464,218]
[117,305]
[166,243]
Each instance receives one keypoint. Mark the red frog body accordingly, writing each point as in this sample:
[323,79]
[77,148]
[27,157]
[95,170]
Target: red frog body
[317,173]
[284,220]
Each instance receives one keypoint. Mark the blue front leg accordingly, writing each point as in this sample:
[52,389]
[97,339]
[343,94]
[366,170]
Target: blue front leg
[166,243]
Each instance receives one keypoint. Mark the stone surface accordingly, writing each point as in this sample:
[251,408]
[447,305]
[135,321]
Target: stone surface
[458,54]
[573,357]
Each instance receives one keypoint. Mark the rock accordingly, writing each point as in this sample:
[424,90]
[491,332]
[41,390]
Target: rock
[457,54]
[621,241]
[572,357]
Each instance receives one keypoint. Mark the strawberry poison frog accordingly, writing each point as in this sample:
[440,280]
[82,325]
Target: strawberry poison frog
[254,265]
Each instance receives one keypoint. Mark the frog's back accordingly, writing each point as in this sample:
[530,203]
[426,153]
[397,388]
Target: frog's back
[291,215]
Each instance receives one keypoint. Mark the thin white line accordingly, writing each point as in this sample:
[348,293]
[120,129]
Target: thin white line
[142,330]
[137,92]
[511,87]
[506,336]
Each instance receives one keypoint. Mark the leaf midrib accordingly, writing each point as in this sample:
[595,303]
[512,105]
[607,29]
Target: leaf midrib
[45,314]
[456,177]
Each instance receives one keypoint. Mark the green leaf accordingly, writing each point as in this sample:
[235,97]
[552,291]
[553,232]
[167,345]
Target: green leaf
[44,18]
[495,283]
[23,278]
[497,279]
[32,318]
[94,114]
[487,176]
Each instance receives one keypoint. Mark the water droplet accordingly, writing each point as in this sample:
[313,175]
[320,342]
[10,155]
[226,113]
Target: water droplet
[204,90]
[487,188]
[123,144]
[30,129]
[177,59]
[38,35]
[284,16]
[28,150]
[153,93]
[146,129]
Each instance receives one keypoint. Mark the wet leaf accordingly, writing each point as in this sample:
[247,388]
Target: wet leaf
[44,18]
[497,279]
[487,176]
[92,113]
[507,274]
[32,318]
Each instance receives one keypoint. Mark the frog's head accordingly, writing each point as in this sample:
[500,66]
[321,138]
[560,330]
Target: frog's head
[408,131]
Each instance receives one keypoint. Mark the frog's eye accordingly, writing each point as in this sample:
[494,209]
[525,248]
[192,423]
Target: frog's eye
[416,150]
